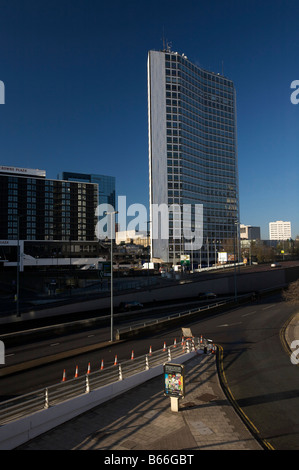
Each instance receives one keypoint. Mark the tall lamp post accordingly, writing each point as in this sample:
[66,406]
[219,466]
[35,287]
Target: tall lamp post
[111,262]
[18,266]
[148,251]
[235,266]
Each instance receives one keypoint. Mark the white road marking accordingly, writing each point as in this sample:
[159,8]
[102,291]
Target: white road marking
[250,313]
[269,306]
[54,344]
[231,324]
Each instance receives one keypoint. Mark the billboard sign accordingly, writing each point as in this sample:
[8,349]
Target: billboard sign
[174,380]
[22,171]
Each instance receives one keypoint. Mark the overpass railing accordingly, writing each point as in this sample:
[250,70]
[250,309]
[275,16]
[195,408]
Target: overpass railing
[33,402]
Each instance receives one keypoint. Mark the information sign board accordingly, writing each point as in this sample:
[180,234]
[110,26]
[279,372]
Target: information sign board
[174,380]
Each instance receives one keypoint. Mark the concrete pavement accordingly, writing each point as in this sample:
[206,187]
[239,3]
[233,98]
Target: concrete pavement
[141,419]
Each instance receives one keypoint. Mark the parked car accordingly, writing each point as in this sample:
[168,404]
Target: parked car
[207,295]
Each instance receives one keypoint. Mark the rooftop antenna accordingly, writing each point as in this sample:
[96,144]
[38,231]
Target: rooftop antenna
[169,44]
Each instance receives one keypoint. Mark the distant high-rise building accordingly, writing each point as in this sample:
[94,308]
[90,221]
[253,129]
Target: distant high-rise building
[280,230]
[106,184]
[192,151]
[248,232]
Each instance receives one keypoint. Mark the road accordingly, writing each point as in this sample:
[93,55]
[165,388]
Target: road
[261,377]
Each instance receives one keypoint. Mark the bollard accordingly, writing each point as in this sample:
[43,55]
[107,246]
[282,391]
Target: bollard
[146,363]
[87,389]
[46,399]
[120,374]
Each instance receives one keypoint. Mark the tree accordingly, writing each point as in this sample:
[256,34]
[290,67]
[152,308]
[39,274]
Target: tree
[291,294]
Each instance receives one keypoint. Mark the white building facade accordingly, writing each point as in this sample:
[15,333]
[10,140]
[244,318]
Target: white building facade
[280,230]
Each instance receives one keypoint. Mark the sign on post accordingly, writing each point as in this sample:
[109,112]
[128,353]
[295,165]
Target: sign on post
[174,380]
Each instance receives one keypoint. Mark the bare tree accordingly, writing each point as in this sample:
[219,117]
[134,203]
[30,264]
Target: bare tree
[291,294]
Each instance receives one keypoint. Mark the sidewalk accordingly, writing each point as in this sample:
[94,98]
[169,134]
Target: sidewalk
[141,419]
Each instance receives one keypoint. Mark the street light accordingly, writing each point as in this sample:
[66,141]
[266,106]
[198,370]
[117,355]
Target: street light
[236,222]
[148,251]
[18,265]
[111,262]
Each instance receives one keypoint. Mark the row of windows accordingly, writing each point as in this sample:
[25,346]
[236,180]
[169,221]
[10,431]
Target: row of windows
[206,92]
[209,80]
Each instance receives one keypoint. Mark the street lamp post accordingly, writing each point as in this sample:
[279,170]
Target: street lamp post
[235,266]
[18,265]
[148,252]
[111,277]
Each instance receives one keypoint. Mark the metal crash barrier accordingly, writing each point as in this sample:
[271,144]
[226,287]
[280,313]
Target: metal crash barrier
[26,405]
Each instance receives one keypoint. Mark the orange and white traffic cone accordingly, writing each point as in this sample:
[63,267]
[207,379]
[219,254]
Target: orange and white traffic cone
[88,369]
[76,372]
[64,376]
[174,344]
[115,360]
[150,351]
[132,355]
[164,346]
[102,364]
[200,339]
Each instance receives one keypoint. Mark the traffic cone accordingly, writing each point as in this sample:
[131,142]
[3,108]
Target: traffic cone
[200,339]
[115,360]
[76,373]
[132,355]
[102,364]
[150,351]
[174,344]
[164,347]
[88,369]
[64,376]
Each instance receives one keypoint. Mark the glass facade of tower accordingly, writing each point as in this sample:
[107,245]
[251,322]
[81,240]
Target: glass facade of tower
[106,185]
[197,156]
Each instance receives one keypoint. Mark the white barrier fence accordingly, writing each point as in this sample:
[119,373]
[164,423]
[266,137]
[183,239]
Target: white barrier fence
[28,416]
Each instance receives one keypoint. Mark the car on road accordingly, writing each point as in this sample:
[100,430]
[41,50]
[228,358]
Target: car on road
[207,295]
[130,305]
[275,265]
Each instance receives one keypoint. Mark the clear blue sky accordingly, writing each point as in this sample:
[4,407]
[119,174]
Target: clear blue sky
[76,89]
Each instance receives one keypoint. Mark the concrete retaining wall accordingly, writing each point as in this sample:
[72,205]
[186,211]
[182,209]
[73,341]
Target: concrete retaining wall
[246,282]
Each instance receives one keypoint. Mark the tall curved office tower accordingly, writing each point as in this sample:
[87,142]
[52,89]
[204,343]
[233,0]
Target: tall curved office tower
[192,158]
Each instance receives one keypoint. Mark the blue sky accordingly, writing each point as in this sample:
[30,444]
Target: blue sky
[76,89]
